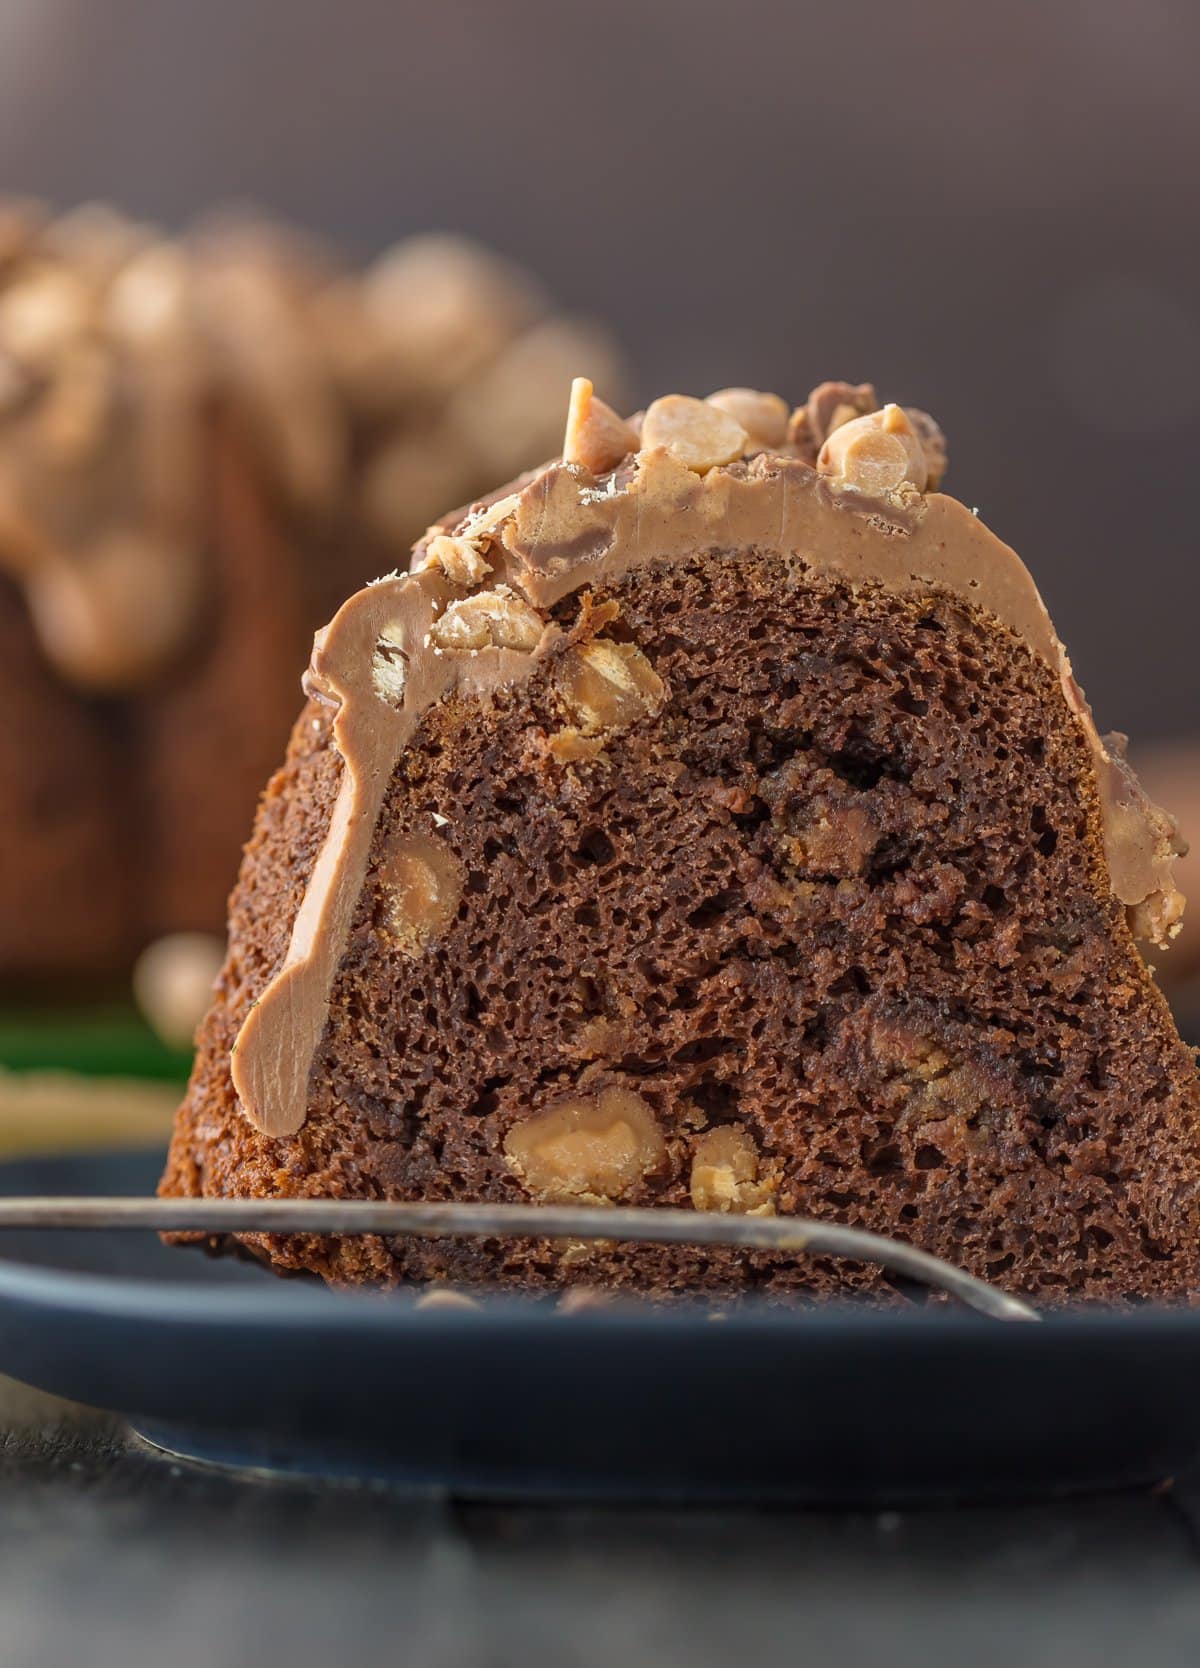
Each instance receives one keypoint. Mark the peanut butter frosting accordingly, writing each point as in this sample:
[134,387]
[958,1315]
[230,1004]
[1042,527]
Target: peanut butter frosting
[842,483]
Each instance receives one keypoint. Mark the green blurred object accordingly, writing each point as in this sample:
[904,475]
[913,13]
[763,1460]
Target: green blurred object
[108,1041]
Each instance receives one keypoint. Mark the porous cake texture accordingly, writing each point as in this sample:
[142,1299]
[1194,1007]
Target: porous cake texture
[710,819]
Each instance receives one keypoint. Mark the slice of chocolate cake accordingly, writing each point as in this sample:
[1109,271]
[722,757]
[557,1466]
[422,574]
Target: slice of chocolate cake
[709,819]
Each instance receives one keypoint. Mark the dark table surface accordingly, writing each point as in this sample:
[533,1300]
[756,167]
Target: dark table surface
[113,1554]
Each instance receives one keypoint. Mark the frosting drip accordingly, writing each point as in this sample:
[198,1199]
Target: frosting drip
[273,1054]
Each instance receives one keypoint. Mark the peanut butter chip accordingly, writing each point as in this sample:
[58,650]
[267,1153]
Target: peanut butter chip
[876,454]
[421,881]
[483,523]
[763,416]
[725,1172]
[490,619]
[696,432]
[595,437]
[458,559]
[608,686]
[596,1147]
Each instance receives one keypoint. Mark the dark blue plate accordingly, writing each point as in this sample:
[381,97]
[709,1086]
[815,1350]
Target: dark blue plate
[220,1361]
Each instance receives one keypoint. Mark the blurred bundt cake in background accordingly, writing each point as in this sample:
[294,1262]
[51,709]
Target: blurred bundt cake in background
[204,443]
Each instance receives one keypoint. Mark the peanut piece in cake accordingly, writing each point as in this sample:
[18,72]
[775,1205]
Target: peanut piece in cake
[421,881]
[725,1173]
[763,416]
[938,1100]
[597,1147]
[595,436]
[491,619]
[608,686]
[876,454]
[695,432]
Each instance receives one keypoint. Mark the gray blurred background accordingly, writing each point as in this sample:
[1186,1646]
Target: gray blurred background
[988,211]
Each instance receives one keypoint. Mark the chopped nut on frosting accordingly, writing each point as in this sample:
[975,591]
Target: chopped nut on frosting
[878,453]
[488,620]
[697,433]
[595,437]
[481,524]
[828,406]
[763,416]
[458,559]
[596,1147]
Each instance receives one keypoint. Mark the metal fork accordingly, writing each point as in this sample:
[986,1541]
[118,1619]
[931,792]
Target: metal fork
[336,1217]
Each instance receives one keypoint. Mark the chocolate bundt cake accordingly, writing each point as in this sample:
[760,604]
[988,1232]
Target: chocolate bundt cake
[205,443]
[711,818]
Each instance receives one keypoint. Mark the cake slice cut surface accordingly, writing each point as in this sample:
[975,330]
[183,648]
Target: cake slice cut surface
[710,819]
